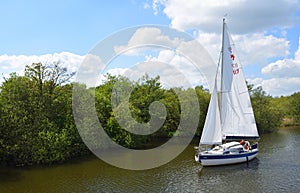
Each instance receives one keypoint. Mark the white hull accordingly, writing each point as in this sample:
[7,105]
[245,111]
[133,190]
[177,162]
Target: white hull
[213,158]
[225,161]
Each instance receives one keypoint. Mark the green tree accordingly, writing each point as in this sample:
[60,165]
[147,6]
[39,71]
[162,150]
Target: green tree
[284,105]
[295,106]
[36,124]
[18,114]
[172,105]
[267,114]
[203,98]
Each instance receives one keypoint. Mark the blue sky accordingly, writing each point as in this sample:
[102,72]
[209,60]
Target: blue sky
[41,27]
[266,33]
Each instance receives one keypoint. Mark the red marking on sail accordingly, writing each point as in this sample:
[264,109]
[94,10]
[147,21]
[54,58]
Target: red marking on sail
[236,71]
[232,56]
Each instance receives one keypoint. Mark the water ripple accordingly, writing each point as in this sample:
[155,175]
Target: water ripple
[276,169]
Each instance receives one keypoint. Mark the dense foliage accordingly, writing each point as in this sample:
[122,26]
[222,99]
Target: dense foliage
[37,124]
[268,116]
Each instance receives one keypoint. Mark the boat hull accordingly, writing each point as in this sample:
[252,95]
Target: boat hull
[225,159]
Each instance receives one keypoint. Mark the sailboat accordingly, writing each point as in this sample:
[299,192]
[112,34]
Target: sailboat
[230,122]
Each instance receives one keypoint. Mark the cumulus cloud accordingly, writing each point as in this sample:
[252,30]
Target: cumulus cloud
[281,86]
[284,75]
[258,48]
[258,29]
[253,48]
[17,63]
[114,72]
[285,67]
[245,16]
[175,70]
[176,49]
[146,36]
[89,70]
[172,66]
[278,86]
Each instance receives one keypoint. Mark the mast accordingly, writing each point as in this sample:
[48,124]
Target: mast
[222,62]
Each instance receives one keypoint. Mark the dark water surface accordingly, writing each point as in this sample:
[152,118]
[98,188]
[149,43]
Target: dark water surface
[276,169]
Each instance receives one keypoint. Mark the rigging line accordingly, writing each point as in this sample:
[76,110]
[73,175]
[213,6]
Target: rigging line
[218,67]
[222,61]
[219,60]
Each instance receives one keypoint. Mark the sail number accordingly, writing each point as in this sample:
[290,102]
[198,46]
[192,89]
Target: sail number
[234,64]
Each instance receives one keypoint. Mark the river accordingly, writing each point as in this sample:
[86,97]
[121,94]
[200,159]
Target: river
[276,169]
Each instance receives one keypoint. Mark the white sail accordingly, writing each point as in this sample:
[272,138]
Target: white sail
[237,117]
[234,119]
[212,127]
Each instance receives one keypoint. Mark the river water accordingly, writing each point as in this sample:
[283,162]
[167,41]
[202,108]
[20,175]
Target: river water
[276,169]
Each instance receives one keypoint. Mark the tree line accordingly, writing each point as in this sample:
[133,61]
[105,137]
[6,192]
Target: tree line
[37,124]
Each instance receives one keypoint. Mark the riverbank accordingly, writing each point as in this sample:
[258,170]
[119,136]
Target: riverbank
[153,143]
[293,127]
[276,169]
[289,122]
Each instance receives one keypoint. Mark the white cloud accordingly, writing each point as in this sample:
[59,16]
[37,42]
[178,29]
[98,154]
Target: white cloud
[177,49]
[17,63]
[146,36]
[155,6]
[285,76]
[172,67]
[285,67]
[278,86]
[246,16]
[258,48]
[169,75]
[256,81]
[212,42]
[252,48]
[281,86]
[89,70]
[259,31]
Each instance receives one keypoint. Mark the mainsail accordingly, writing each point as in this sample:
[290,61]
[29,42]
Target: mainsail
[234,119]
[237,117]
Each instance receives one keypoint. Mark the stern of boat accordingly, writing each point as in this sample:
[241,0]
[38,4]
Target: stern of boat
[254,146]
[197,157]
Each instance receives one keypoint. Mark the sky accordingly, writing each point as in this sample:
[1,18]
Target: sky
[266,33]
